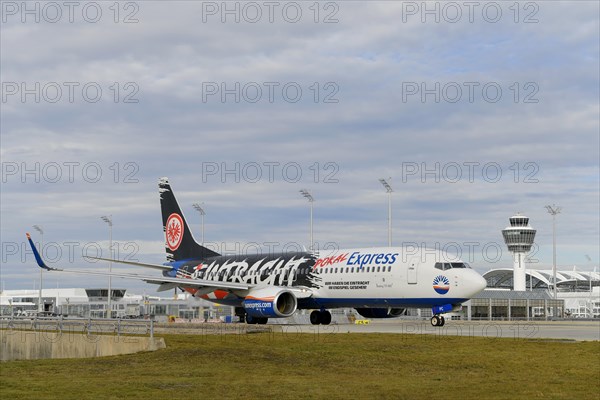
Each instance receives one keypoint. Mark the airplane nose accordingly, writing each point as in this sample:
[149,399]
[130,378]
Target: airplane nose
[480,283]
[476,283]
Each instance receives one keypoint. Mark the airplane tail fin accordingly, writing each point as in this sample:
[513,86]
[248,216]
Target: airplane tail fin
[179,241]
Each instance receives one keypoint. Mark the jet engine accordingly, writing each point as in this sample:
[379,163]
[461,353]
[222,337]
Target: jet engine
[270,302]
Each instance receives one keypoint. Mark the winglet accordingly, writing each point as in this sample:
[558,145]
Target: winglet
[38,258]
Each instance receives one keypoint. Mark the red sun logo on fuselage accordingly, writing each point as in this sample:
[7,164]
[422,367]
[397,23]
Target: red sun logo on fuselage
[174,231]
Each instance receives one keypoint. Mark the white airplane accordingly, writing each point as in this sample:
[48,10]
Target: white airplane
[377,282]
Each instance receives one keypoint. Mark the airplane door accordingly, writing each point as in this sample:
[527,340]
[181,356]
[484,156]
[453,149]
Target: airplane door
[413,265]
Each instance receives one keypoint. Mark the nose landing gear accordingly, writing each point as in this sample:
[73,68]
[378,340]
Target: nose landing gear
[438,320]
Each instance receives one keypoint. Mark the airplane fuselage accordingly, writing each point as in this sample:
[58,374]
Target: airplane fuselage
[357,278]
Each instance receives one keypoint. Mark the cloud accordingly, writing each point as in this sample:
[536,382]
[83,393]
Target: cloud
[381,93]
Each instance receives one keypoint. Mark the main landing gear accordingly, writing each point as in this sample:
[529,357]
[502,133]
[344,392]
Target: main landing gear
[256,320]
[322,317]
[249,319]
[438,320]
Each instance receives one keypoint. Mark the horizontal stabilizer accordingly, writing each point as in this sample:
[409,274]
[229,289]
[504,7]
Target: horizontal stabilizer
[166,286]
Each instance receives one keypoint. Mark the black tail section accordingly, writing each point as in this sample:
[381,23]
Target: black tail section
[179,241]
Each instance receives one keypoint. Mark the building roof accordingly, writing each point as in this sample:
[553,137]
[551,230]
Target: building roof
[513,294]
[542,279]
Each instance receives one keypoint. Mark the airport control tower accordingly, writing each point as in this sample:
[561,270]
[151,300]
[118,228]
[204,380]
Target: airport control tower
[519,239]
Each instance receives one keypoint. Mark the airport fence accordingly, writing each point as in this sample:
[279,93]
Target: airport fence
[89,326]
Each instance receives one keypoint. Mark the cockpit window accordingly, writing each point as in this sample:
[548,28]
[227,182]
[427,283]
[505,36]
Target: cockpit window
[446,266]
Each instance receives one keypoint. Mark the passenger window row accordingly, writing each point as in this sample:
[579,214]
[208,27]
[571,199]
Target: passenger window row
[332,270]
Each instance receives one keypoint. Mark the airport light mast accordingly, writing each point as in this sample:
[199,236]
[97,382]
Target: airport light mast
[311,200]
[108,220]
[554,210]
[389,191]
[519,238]
[41,231]
[199,208]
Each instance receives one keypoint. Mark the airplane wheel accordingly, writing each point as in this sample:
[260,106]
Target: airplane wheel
[435,320]
[315,317]
[241,313]
[325,318]
[262,321]
[442,321]
[250,320]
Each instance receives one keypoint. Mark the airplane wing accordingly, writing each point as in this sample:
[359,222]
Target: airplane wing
[137,264]
[165,281]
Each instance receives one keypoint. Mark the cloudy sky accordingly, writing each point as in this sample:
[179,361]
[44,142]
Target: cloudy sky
[475,112]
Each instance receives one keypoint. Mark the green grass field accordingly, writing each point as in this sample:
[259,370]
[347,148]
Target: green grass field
[338,366]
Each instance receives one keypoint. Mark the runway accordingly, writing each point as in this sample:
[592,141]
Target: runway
[539,330]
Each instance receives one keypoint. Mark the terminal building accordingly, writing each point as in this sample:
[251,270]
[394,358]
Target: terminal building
[93,303]
[577,294]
